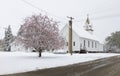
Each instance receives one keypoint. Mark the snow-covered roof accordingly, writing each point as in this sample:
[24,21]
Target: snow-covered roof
[81,32]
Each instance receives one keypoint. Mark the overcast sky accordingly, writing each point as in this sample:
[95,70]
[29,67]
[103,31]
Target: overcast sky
[104,14]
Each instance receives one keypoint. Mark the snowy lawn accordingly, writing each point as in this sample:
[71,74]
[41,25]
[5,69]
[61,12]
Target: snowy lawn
[15,62]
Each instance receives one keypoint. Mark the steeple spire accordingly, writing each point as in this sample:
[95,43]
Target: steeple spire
[88,20]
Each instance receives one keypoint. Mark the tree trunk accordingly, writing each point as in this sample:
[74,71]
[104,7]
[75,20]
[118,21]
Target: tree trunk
[40,51]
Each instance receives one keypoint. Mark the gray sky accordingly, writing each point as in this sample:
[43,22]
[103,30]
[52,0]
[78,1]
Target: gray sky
[104,14]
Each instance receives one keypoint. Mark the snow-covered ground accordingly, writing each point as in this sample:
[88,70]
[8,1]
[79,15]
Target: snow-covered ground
[15,62]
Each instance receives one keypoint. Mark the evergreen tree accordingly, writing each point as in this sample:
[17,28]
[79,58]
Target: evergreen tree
[113,41]
[1,44]
[8,39]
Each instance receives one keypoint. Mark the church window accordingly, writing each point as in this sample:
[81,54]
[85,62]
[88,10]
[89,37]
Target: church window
[95,45]
[84,42]
[92,44]
[88,43]
[66,43]
[73,43]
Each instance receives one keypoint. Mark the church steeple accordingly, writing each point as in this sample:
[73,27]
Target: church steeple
[88,20]
[88,26]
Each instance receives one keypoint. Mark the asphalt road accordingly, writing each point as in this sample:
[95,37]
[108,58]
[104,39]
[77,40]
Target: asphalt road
[102,67]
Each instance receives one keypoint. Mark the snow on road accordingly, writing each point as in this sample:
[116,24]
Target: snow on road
[16,62]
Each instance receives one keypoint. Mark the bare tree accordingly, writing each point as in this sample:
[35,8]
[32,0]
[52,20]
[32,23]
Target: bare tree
[41,33]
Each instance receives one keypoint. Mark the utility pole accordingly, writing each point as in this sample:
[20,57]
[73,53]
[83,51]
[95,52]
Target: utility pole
[70,35]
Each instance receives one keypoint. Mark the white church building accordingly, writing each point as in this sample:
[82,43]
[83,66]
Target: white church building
[82,38]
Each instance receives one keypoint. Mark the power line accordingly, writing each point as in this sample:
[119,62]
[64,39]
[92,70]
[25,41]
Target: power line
[100,17]
[107,16]
[64,20]
[42,10]
[33,6]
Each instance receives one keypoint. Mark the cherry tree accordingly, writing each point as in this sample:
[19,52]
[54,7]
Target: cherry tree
[41,33]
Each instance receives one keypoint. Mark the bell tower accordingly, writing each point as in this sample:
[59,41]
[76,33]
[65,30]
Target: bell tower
[88,27]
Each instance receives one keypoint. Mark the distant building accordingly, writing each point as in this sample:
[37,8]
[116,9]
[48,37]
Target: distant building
[82,38]
[19,46]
